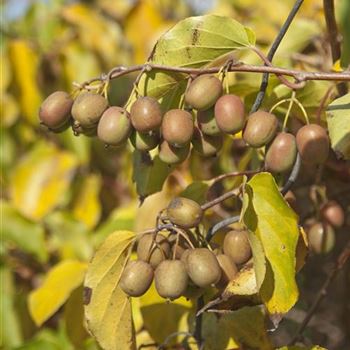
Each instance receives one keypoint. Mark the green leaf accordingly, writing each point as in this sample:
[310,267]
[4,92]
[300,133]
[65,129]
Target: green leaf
[59,282]
[148,174]
[107,307]
[274,223]
[22,232]
[192,42]
[196,191]
[338,121]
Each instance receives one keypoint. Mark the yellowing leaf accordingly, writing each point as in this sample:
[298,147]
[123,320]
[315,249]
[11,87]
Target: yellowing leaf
[338,121]
[87,207]
[293,347]
[25,64]
[146,17]
[60,281]
[107,307]
[40,180]
[9,109]
[275,224]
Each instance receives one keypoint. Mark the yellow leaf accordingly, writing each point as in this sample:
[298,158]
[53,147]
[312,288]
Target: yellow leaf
[9,109]
[107,307]
[40,180]
[337,66]
[87,207]
[140,28]
[6,73]
[25,64]
[59,283]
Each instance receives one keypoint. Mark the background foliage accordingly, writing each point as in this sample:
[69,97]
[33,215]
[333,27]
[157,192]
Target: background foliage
[63,195]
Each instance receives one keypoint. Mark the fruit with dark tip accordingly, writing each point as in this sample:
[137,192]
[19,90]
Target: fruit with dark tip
[203,92]
[177,127]
[171,279]
[203,267]
[228,269]
[333,213]
[236,245]
[144,141]
[156,251]
[229,114]
[55,110]
[321,238]
[260,129]
[313,144]
[281,154]
[184,212]
[146,114]
[114,126]
[206,145]
[88,108]
[136,278]
[207,123]
[172,155]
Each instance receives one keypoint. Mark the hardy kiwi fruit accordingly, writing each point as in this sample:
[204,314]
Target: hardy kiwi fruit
[144,141]
[229,114]
[206,145]
[184,212]
[203,267]
[136,278]
[158,250]
[203,92]
[172,155]
[333,213]
[177,127]
[55,110]
[281,154]
[207,123]
[313,144]
[321,238]
[236,245]
[228,269]
[114,126]
[260,129]
[146,114]
[171,279]
[88,108]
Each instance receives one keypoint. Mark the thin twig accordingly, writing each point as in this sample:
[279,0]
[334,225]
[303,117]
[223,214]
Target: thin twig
[261,94]
[220,199]
[341,260]
[233,174]
[333,37]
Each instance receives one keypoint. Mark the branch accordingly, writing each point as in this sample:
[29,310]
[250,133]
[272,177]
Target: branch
[341,260]
[271,54]
[333,37]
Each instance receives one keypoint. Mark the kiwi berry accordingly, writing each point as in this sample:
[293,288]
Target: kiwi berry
[171,279]
[236,245]
[228,269]
[55,110]
[144,141]
[207,123]
[177,127]
[333,213]
[114,126]
[321,238]
[146,114]
[313,144]
[136,278]
[172,155]
[260,129]
[157,250]
[88,108]
[206,145]
[229,114]
[184,212]
[203,268]
[281,154]
[203,92]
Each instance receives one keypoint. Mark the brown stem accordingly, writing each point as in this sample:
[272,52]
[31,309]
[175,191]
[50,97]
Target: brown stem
[333,37]
[233,174]
[220,199]
[341,260]
[322,104]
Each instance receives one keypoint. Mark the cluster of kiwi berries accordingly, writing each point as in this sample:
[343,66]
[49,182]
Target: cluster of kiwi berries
[216,114]
[321,233]
[182,267]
